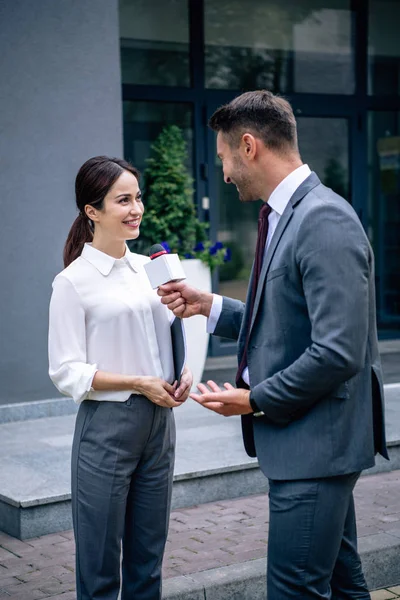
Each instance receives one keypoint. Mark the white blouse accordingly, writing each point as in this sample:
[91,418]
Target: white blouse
[105,316]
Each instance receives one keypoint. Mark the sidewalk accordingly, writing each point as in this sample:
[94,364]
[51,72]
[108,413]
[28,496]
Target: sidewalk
[210,544]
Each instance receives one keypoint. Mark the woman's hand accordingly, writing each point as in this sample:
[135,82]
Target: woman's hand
[158,391]
[183,391]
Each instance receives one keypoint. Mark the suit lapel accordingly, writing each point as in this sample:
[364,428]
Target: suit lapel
[307,185]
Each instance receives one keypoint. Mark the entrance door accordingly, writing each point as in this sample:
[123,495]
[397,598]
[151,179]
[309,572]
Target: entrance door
[384,214]
[325,146]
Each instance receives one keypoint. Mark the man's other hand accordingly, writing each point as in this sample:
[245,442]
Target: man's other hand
[228,402]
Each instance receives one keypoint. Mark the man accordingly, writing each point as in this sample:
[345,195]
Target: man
[309,384]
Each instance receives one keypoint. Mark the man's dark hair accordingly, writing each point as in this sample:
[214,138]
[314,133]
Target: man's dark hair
[261,113]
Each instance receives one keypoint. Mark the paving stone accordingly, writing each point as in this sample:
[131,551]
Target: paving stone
[382,595]
[5,554]
[66,596]
[13,545]
[395,590]
[7,581]
[47,540]
[24,591]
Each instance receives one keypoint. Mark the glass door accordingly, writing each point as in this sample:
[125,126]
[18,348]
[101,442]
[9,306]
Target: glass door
[384,214]
[325,146]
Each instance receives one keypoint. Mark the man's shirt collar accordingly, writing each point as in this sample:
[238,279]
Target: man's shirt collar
[281,195]
[104,262]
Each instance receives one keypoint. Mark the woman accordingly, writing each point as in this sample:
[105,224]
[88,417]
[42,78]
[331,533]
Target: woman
[110,349]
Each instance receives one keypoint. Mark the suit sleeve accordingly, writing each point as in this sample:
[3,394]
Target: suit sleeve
[230,320]
[333,257]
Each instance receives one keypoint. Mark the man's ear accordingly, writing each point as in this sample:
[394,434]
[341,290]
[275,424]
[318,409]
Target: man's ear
[249,145]
[91,213]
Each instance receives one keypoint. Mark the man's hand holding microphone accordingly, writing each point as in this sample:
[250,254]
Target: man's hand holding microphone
[185,301]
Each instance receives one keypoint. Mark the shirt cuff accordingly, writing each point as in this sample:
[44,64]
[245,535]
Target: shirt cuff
[84,387]
[74,380]
[215,313]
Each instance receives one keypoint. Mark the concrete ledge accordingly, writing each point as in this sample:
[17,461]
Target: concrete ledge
[380,557]
[23,411]
[34,521]
[389,346]
[33,518]
[384,466]
[220,484]
[246,581]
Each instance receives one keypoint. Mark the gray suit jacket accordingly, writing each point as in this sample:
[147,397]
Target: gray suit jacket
[313,355]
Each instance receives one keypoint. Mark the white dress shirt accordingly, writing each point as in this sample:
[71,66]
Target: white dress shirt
[278,201]
[105,316]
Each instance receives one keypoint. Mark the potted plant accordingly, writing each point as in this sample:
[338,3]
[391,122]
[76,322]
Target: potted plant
[170,219]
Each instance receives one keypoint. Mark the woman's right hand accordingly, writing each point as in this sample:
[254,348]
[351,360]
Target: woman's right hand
[157,390]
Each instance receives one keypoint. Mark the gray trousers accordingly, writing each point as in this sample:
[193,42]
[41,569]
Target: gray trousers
[312,544]
[122,468]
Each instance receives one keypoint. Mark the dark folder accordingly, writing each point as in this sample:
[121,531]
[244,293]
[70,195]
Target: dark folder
[178,347]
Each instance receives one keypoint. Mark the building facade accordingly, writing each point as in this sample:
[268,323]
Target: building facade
[86,77]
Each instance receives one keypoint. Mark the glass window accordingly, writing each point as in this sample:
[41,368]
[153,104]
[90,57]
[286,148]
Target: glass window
[384,212]
[324,146]
[154,42]
[292,46]
[384,47]
[143,121]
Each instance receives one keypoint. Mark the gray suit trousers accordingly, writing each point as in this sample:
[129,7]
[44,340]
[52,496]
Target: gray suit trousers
[122,468]
[312,545]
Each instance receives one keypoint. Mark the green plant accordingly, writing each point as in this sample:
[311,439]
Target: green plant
[170,215]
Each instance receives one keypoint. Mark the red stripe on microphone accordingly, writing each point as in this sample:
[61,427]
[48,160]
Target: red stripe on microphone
[158,254]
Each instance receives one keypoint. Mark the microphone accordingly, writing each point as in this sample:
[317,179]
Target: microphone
[157,250]
[163,267]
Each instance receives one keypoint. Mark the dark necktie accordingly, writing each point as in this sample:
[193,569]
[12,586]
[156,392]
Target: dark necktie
[260,250]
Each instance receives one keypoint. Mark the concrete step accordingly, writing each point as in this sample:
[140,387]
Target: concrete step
[211,465]
[247,580]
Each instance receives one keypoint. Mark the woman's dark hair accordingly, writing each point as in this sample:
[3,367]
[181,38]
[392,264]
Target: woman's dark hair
[94,180]
[262,113]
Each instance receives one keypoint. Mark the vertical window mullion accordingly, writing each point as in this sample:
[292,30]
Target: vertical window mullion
[359,137]
[197,70]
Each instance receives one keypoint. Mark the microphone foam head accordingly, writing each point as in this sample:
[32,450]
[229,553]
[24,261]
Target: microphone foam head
[157,250]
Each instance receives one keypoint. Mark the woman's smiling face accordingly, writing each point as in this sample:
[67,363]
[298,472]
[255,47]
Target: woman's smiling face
[122,210]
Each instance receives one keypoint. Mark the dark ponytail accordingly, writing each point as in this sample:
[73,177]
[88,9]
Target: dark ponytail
[79,234]
[93,182]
